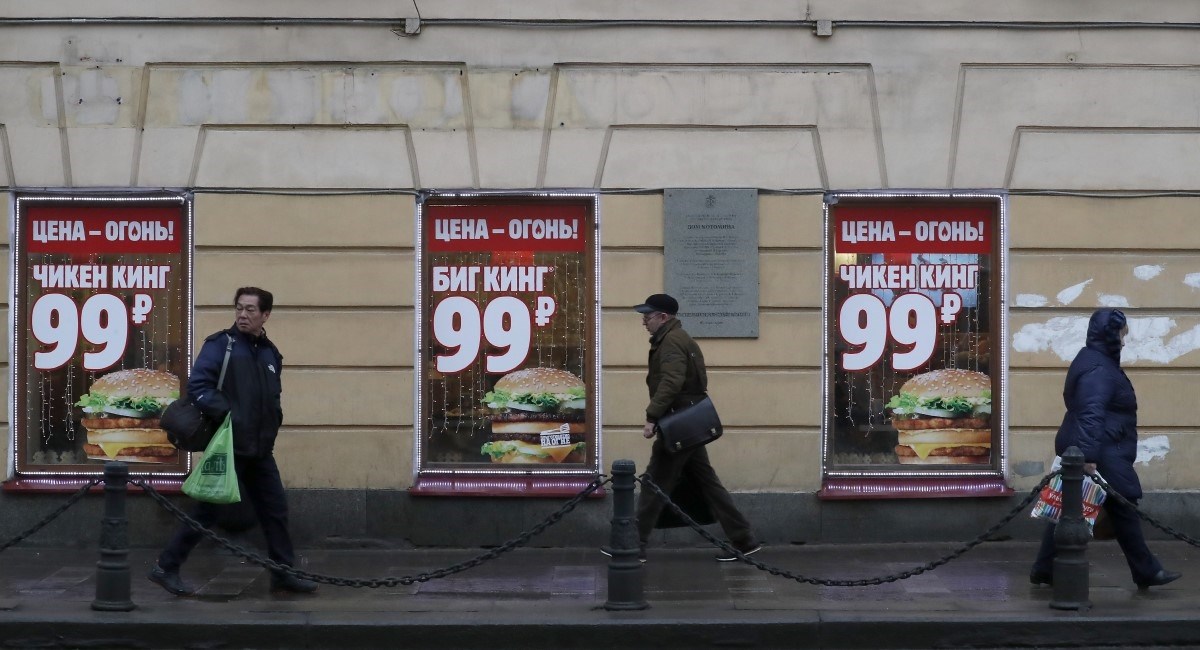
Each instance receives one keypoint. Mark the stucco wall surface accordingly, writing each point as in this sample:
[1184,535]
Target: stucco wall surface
[278,114]
[1040,97]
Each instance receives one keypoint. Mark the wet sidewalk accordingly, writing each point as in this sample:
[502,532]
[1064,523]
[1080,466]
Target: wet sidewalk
[554,597]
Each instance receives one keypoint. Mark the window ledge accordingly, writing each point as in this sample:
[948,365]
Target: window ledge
[911,487]
[65,485]
[476,485]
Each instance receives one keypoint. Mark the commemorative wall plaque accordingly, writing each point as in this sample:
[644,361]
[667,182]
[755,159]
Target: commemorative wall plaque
[711,246]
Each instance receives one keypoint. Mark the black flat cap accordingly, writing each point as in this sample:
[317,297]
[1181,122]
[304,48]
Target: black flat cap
[659,302]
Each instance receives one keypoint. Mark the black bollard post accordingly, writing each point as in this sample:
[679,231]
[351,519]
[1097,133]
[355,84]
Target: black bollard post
[112,571]
[1071,537]
[625,584]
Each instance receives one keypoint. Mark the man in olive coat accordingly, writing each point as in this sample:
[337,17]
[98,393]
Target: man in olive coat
[676,378]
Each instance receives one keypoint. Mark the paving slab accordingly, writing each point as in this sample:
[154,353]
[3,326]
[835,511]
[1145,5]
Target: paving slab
[554,597]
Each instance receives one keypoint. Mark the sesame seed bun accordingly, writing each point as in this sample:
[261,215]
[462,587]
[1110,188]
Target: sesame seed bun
[948,382]
[538,380]
[137,382]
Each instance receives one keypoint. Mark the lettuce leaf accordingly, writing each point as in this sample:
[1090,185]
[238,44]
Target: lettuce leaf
[904,403]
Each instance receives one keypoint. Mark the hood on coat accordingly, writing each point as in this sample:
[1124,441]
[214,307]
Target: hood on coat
[1104,332]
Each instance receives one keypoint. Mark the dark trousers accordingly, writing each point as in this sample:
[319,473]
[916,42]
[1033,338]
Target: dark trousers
[262,486]
[1128,529]
[666,470]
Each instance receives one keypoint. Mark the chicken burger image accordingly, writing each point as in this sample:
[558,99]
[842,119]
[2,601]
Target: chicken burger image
[121,415]
[537,416]
[943,418]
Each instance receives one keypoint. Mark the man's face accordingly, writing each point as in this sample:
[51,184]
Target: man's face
[250,319]
[653,321]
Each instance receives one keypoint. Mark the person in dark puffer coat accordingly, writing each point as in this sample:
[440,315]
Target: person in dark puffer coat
[1101,420]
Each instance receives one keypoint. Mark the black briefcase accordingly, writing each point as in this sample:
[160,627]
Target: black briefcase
[690,427]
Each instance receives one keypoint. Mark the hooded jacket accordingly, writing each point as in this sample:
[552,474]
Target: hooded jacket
[672,380]
[251,392]
[1101,417]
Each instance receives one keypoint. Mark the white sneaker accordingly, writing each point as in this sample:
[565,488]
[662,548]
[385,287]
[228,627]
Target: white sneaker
[606,553]
[725,556]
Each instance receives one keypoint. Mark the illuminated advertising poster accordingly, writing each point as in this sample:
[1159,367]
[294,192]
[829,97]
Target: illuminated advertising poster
[913,309]
[101,324]
[508,343]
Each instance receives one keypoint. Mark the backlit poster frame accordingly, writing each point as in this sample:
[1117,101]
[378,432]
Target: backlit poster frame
[914,282]
[100,286]
[507,297]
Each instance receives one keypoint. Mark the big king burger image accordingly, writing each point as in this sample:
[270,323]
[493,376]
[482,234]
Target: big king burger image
[943,418]
[537,416]
[121,415]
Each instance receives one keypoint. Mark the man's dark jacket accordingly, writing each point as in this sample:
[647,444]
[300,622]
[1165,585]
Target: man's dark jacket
[1101,416]
[672,380]
[251,390]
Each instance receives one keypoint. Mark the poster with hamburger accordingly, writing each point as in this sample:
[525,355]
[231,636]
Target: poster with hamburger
[121,416]
[101,325]
[913,287]
[943,417]
[537,416]
[508,330]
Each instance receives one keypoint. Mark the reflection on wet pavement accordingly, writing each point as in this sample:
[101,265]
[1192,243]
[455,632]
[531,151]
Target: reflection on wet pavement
[990,575]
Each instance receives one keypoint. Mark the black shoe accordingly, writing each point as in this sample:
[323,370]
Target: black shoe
[289,582]
[1161,578]
[1040,578]
[170,581]
[725,556]
[607,553]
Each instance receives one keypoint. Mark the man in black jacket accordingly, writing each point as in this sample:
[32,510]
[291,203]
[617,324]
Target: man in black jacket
[676,378]
[250,395]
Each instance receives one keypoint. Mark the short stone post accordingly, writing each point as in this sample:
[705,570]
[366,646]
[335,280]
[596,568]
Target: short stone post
[1071,537]
[625,576]
[112,571]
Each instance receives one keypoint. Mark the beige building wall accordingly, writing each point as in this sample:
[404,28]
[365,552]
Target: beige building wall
[341,269]
[301,140]
[1070,255]
[768,389]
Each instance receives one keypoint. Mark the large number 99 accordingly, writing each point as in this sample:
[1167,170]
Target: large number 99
[505,324]
[103,320]
[866,323]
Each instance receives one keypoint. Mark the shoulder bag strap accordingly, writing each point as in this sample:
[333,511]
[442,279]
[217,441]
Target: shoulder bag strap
[694,367]
[225,363]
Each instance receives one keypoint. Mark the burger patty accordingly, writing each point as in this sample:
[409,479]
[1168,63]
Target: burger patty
[533,438]
[922,422]
[119,423]
[532,416]
[958,451]
[157,451]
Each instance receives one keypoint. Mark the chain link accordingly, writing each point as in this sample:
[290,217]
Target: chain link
[520,540]
[647,482]
[74,498]
[1151,520]
[555,517]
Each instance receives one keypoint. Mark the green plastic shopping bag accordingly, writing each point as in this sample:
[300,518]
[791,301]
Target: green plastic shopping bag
[214,479]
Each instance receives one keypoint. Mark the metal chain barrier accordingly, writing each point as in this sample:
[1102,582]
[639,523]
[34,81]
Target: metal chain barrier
[864,582]
[1151,520]
[72,500]
[375,583]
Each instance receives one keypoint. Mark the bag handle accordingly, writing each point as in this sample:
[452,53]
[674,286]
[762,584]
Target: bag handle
[225,363]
